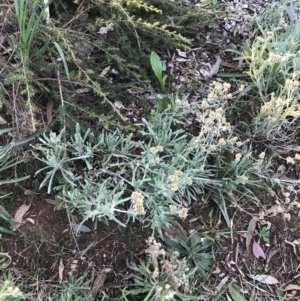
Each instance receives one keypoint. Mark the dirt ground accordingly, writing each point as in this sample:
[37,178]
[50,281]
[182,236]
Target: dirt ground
[46,241]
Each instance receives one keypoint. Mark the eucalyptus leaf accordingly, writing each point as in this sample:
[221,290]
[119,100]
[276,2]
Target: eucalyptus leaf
[250,231]
[215,68]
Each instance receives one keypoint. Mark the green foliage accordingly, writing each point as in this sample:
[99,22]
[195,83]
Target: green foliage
[106,54]
[63,58]
[74,288]
[6,218]
[263,234]
[147,24]
[156,65]
[163,276]
[10,292]
[235,295]
[28,27]
[192,247]
[274,66]
[113,175]
[6,163]
[5,260]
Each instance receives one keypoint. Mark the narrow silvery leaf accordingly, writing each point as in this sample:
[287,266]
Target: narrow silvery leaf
[80,228]
[215,68]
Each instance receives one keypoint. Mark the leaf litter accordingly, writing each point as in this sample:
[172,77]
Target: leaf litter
[258,251]
[20,213]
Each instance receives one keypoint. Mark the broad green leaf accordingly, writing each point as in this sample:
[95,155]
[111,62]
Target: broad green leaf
[156,65]
[195,239]
[236,296]
[164,80]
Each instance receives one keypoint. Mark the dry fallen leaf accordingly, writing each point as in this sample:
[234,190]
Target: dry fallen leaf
[215,68]
[295,148]
[250,231]
[100,279]
[49,110]
[22,210]
[82,90]
[274,210]
[30,220]
[281,169]
[52,202]
[263,278]
[104,71]
[119,105]
[258,251]
[181,53]
[106,29]
[168,228]
[296,241]
[270,255]
[73,266]
[292,287]
[61,268]
[221,284]
[2,120]
[216,270]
